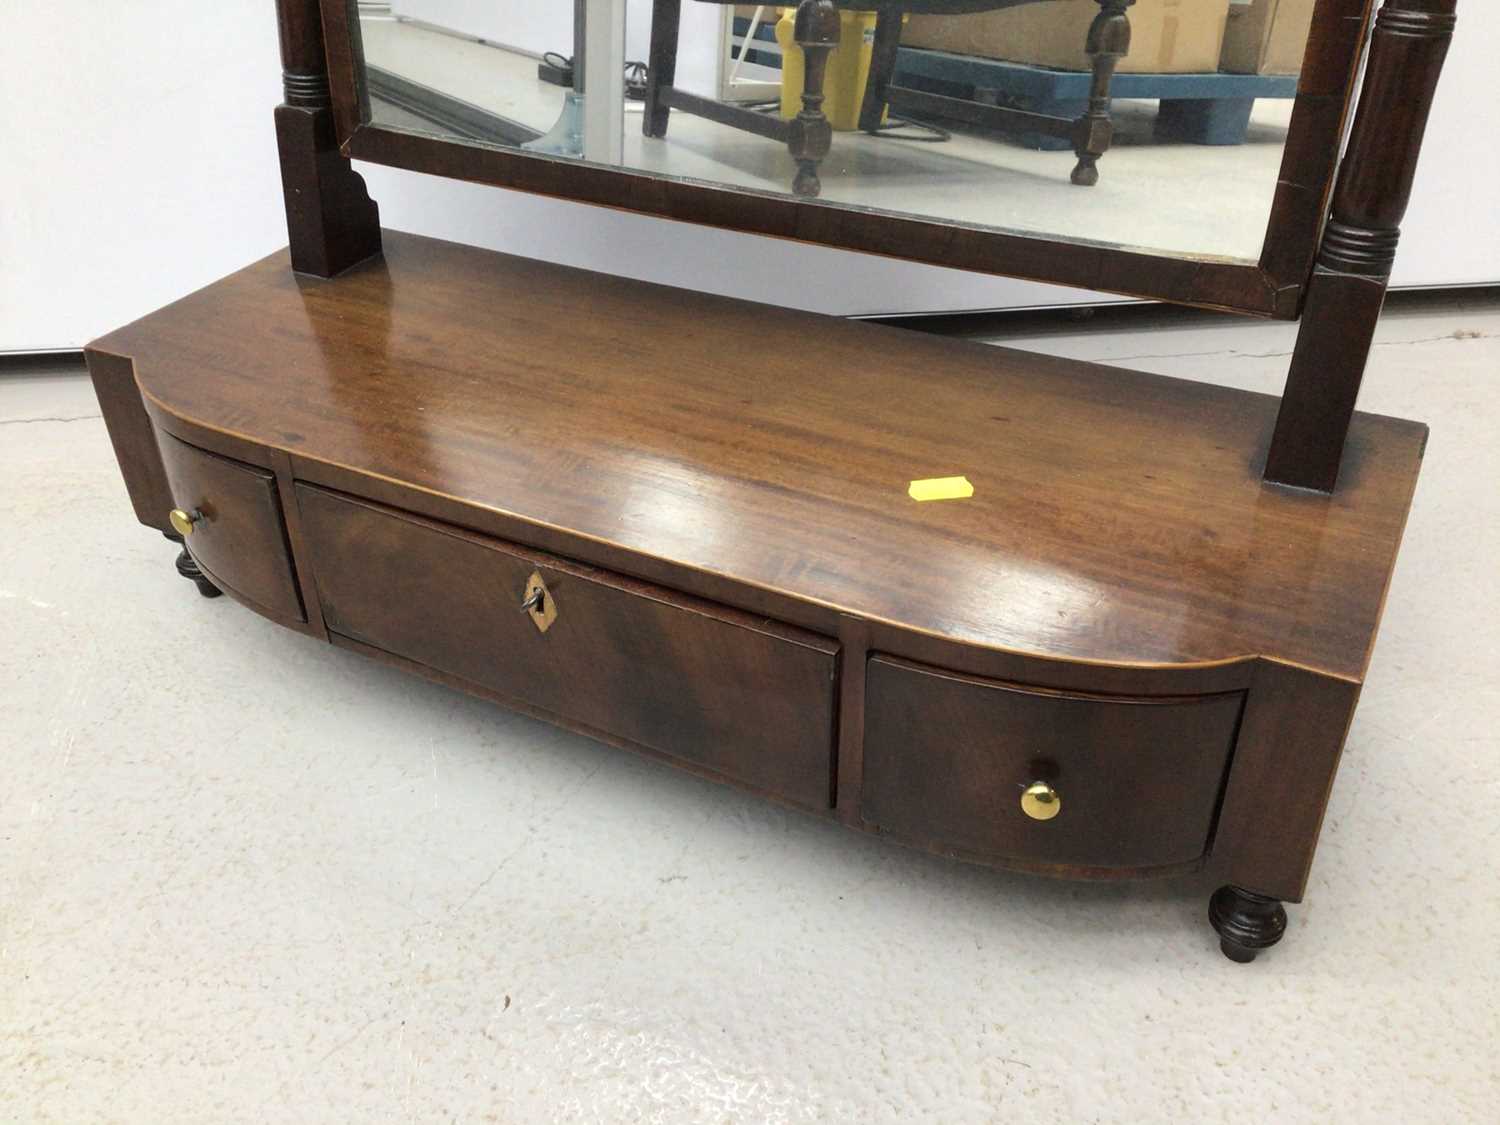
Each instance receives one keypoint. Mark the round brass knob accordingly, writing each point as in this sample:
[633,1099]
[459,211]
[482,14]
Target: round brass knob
[1040,801]
[184,522]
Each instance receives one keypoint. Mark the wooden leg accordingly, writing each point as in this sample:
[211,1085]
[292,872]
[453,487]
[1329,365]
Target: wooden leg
[187,566]
[816,31]
[666,17]
[1246,922]
[1348,283]
[882,68]
[1108,43]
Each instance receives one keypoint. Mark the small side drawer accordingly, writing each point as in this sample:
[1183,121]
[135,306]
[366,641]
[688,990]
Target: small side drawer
[239,539]
[948,758]
[747,698]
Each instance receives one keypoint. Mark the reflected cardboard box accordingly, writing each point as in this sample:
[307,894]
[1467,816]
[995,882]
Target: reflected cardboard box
[1266,36]
[1167,36]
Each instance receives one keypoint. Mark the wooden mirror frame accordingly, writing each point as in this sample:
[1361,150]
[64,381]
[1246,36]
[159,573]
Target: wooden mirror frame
[1273,286]
[1337,286]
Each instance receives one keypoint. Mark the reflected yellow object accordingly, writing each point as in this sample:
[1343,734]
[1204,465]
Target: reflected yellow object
[848,69]
[941,488]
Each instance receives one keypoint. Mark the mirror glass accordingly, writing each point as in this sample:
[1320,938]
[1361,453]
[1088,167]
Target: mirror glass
[1156,125]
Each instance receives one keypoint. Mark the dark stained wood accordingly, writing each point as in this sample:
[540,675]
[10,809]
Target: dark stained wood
[1407,51]
[187,567]
[1118,517]
[743,697]
[816,31]
[661,65]
[1309,159]
[854,639]
[1359,244]
[922,103]
[1246,922]
[1295,722]
[1123,609]
[1108,42]
[1328,366]
[331,221]
[240,543]
[1190,281]
[888,25]
[947,758]
[131,435]
[1120,541]
[521,706]
[769,125]
[286,496]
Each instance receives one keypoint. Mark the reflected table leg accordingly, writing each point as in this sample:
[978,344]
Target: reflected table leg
[816,31]
[666,17]
[1108,43]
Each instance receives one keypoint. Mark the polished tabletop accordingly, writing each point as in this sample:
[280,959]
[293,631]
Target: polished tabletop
[1116,516]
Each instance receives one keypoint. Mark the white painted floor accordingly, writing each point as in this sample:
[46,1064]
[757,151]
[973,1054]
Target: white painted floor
[247,878]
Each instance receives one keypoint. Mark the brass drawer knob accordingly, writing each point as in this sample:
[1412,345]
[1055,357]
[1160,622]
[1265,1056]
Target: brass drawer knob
[184,522]
[1040,801]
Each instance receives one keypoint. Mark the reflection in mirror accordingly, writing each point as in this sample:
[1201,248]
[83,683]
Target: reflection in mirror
[1153,124]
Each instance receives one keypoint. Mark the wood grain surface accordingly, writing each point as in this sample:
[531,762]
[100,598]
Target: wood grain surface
[947,758]
[764,455]
[240,540]
[743,697]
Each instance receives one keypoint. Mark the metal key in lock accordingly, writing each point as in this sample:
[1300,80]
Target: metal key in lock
[538,603]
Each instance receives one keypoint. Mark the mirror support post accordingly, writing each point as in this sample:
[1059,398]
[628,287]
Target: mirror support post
[331,221]
[1353,267]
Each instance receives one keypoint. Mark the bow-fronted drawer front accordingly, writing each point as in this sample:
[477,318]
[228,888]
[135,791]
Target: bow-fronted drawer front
[1002,771]
[229,516]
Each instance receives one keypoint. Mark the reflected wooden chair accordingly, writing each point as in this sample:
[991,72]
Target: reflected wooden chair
[808,136]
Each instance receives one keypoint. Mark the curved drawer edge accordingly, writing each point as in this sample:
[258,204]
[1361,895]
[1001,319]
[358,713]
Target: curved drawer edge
[1064,672]
[1130,783]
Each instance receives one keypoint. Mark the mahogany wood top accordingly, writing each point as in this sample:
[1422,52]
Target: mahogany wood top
[1116,516]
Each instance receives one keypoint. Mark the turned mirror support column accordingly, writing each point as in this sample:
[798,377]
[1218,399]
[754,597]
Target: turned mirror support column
[1353,267]
[1108,43]
[331,221]
[816,31]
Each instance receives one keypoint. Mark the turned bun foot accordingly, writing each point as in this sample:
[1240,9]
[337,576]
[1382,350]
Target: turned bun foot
[1086,172]
[187,566]
[1245,922]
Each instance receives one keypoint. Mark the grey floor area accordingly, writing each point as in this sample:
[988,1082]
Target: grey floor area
[246,877]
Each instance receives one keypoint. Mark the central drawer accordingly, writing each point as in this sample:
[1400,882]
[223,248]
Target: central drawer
[750,699]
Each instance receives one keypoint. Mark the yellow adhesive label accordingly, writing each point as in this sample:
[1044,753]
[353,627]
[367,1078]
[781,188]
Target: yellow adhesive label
[941,488]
